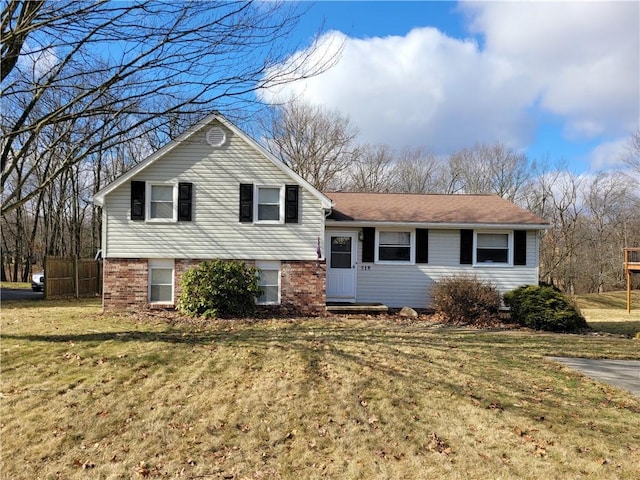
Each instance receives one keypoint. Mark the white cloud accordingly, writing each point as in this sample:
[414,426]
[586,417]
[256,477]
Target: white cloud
[421,89]
[39,62]
[584,57]
[578,62]
[609,155]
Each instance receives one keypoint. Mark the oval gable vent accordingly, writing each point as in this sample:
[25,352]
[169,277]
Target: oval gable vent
[216,137]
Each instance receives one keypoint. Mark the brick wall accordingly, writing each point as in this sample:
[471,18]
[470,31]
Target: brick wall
[182,266]
[302,285]
[125,283]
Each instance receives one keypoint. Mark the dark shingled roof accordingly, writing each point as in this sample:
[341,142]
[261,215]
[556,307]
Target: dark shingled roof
[419,208]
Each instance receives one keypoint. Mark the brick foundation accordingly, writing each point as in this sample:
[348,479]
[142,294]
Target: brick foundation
[302,285]
[125,284]
[182,266]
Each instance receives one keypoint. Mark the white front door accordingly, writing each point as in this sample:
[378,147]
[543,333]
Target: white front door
[341,248]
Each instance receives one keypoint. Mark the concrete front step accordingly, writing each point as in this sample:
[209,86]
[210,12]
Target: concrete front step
[344,307]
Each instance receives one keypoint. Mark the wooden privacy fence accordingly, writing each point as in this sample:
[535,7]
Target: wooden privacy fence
[72,277]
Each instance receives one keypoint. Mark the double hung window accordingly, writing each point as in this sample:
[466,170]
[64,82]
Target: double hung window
[269,204]
[492,248]
[161,202]
[161,274]
[395,246]
[269,282]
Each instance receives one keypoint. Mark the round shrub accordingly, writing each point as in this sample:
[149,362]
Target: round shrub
[465,299]
[218,289]
[544,308]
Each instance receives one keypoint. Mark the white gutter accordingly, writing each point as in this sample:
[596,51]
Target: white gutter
[440,225]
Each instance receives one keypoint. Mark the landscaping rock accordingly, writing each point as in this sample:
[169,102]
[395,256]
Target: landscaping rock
[408,312]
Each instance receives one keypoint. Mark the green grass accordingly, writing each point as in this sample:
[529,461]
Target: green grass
[87,395]
[610,300]
[16,285]
[607,312]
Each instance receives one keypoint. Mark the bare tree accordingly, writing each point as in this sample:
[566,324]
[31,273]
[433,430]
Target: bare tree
[316,143]
[143,66]
[491,169]
[471,171]
[371,172]
[608,202]
[632,155]
[417,171]
[556,197]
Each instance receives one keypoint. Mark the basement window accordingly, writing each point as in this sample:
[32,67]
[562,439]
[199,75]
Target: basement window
[161,274]
[269,282]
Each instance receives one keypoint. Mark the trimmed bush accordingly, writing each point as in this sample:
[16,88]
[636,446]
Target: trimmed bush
[544,308]
[219,289]
[465,299]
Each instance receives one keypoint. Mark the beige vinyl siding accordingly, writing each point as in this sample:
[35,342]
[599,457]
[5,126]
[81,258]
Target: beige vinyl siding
[215,230]
[408,285]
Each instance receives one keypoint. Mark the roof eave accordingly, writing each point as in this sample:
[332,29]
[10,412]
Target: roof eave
[441,225]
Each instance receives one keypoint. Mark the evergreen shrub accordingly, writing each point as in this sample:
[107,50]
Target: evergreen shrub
[544,308]
[219,289]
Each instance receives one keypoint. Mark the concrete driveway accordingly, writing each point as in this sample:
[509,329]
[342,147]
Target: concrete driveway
[623,374]
[19,294]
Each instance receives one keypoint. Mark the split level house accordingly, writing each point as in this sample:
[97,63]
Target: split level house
[214,192]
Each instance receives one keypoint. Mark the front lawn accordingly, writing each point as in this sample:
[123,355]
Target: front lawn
[87,395]
[16,285]
[607,312]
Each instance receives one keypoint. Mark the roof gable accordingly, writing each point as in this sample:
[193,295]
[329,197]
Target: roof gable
[98,198]
[430,209]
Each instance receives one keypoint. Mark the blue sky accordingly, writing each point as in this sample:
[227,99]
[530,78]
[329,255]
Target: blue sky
[557,80]
[364,19]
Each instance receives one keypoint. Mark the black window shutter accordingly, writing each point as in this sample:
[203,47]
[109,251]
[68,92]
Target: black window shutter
[368,244]
[246,202]
[520,247]
[466,247]
[422,245]
[291,204]
[185,191]
[137,200]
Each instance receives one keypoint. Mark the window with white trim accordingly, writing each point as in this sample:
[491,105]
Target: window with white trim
[493,248]
[161,273]
[395,246]
[269,282]
[269,205]
[163,202]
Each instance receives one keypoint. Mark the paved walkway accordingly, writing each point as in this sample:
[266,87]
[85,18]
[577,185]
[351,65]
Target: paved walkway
[623,374]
